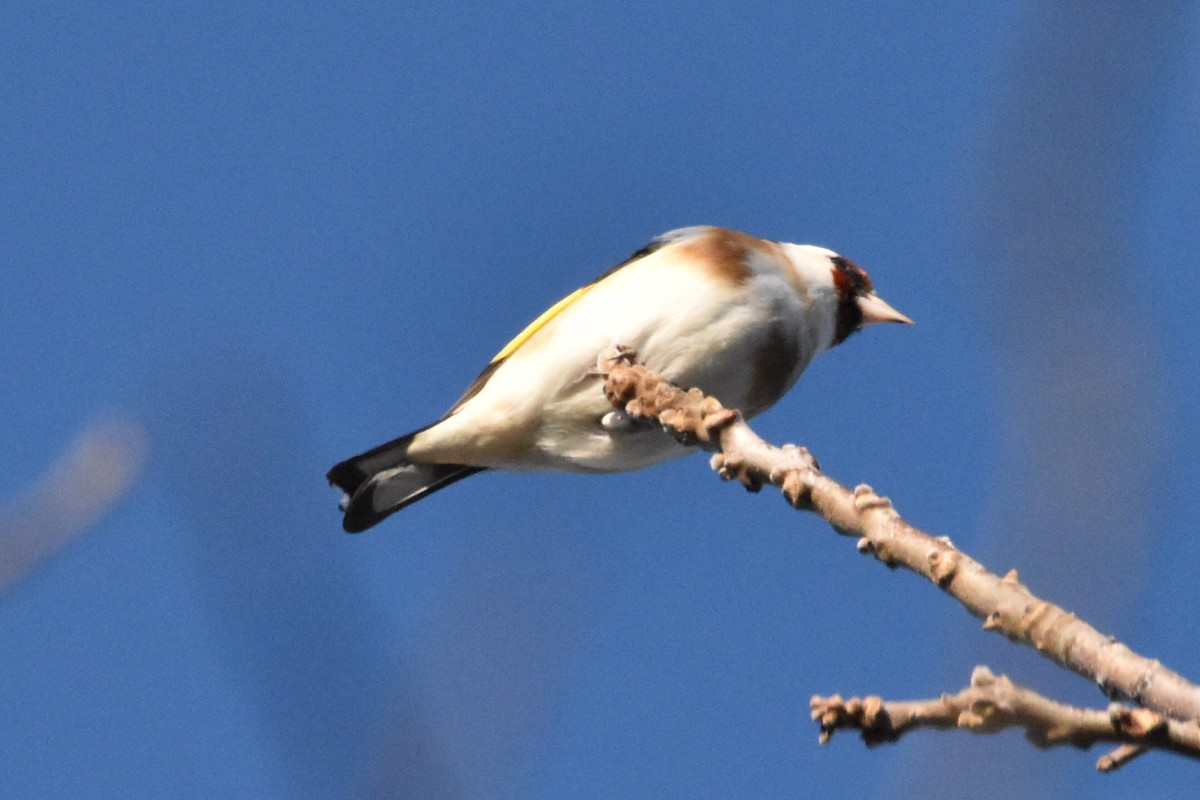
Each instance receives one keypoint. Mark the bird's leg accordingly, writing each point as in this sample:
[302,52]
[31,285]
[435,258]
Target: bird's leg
[624,353]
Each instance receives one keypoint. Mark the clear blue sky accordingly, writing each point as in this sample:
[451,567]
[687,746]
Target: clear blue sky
[280,234]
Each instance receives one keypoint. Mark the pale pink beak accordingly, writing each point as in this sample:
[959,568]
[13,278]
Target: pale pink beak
[874,309]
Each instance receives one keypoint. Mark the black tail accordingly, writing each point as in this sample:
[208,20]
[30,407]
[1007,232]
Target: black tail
[382,481]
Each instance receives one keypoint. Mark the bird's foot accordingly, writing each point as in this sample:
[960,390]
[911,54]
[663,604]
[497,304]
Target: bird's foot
[611,356]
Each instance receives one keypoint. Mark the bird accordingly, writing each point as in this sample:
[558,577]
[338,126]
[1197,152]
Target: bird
[737,316]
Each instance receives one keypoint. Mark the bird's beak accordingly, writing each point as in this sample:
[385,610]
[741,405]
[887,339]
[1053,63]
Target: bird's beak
[875,309]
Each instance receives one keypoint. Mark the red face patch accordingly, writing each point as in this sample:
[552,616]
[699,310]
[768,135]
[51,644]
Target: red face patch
[851,282]
[849,278]
[842,282]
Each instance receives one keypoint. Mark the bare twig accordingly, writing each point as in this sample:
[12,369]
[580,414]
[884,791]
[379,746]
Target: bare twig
[88,480]
[1004,604]
[1119,757]
[994,703]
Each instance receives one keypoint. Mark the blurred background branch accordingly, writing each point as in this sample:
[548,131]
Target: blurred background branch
[93,475]
[1066,295]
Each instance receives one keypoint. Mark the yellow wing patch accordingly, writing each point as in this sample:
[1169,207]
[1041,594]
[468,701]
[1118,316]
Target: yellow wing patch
[553,311]
[539,323]
[657,243]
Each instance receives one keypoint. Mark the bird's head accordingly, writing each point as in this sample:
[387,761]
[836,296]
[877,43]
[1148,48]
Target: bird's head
[844,286]
[858,305]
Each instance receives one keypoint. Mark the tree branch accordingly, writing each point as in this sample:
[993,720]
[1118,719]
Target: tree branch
[994,703]
[1003,603]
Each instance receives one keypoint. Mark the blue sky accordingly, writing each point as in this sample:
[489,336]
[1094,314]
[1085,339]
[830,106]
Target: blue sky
[277,235]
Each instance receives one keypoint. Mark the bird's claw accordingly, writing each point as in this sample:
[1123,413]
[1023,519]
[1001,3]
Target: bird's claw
[612,356]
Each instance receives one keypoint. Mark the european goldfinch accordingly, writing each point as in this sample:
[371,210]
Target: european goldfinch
[737,316]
